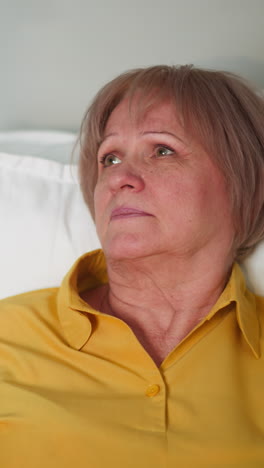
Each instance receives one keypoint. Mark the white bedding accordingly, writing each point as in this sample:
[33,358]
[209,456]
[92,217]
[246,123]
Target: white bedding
[45,224]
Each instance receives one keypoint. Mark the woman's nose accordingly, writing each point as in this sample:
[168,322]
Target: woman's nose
[124,176]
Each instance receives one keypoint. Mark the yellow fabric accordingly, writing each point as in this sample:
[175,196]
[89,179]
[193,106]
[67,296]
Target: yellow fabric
[78,389]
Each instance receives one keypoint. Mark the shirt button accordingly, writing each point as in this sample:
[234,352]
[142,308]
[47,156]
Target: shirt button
[152,390]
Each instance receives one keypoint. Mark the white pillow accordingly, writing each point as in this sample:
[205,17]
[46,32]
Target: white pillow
[45,225]
[253,268]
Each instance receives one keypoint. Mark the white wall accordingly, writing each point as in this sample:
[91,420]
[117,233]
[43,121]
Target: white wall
[55,54]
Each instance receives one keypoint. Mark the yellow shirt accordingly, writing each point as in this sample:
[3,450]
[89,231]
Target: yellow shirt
[78,389]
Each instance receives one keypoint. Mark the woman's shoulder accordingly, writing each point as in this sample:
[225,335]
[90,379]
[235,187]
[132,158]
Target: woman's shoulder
[259,300]
[28,295]
[260,307]
[28,314]
[31,300]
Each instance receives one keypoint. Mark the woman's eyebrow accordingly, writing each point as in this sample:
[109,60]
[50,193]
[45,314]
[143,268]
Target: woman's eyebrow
[163,132]
[107,136]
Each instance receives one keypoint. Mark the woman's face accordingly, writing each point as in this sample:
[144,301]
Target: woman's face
[157,191]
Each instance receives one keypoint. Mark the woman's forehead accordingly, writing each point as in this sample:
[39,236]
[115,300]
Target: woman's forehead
[159,115]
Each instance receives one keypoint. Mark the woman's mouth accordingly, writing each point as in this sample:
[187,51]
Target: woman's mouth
[127,212]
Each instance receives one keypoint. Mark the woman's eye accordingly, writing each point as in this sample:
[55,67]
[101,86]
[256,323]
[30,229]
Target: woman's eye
[109,160]
[163,151]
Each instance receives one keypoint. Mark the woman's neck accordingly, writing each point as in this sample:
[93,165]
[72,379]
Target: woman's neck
[163,299]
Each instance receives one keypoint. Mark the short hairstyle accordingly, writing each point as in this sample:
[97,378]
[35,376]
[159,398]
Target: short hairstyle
[221,111]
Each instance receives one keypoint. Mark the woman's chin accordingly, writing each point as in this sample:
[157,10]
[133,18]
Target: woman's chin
[128,246]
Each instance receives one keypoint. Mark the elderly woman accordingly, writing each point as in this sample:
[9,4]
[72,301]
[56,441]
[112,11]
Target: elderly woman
[150,352]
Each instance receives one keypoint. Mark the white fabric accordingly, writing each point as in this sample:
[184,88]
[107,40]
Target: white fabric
[45,224]
[253,267]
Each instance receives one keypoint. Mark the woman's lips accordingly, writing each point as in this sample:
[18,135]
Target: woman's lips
[127,212]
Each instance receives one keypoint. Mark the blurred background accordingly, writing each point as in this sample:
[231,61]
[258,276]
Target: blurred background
[56,54]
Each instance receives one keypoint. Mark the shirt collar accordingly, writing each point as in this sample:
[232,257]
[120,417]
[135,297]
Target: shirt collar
[246,313]
[89,271]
